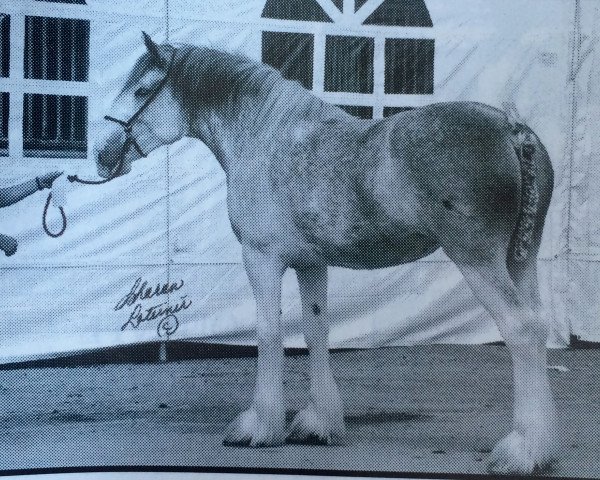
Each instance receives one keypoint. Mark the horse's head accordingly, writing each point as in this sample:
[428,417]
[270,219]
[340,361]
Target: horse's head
[144,116]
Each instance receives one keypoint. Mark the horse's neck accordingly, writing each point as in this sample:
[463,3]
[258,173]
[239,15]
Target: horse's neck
[250,126]
[211,129]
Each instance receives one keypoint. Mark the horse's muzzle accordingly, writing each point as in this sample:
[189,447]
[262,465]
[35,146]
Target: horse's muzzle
[113,168]
[109,154]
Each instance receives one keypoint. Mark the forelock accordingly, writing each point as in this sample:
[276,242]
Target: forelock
[142,66]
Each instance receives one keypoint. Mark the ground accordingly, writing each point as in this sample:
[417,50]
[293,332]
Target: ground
[408,409]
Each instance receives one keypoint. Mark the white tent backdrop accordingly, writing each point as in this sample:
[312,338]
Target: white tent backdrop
[167,220]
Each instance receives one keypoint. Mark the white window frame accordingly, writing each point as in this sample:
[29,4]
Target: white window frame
[350,23]
[17,85]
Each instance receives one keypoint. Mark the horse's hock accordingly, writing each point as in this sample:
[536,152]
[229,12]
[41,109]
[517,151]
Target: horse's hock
[337,65]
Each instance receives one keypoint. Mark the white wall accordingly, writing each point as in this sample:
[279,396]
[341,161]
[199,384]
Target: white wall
[59,294]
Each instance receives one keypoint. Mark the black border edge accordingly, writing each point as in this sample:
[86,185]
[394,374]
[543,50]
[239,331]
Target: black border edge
[271,471]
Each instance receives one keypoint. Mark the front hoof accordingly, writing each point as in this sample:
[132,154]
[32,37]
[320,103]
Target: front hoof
[514,454]
[308,427]
[247,430]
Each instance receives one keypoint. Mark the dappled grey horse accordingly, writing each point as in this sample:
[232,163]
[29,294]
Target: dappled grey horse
[311,186]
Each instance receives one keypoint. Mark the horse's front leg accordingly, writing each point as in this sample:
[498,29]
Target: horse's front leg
[263,423]
[323,419]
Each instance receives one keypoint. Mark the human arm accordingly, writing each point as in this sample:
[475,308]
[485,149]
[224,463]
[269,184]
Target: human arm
[16,193]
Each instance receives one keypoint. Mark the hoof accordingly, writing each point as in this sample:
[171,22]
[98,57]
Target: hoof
[514,454]
[247,430]
[310,428]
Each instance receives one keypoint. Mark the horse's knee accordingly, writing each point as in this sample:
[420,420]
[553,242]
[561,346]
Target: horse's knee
[529,330]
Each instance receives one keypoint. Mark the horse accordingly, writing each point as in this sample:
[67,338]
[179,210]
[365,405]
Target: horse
[310,186]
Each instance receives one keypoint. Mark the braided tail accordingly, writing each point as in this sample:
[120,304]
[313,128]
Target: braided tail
[525,148]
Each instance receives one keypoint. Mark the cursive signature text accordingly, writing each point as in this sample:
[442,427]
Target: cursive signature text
[141,291]
[140,314]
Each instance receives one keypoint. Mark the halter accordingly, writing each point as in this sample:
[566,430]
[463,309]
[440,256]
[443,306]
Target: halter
[129,141]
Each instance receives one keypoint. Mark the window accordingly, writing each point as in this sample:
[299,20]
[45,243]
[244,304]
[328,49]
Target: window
[406,13]
[4,105]
[349,64]
[57,49]
[43,106]
[357,111]
[389,111]
[291,54]
[4,44]
[304,10]
[372,66]
[409,66]
[55,125]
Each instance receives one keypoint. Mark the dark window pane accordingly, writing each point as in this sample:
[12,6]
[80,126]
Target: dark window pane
[4,110]
[407,13]
[409,66]
[389,111]
[5,44]
[349,64]
[358,4]
[307,10]
[57,49]
[358,111]
[54,126]
[291,54]
[339,4]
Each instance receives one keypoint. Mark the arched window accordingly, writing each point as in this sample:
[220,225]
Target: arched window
[375,68]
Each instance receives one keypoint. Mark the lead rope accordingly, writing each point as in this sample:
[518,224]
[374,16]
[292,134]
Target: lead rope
[45,225]
[76,179]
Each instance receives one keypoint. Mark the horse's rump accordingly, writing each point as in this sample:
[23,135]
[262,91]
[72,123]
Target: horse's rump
[460,157]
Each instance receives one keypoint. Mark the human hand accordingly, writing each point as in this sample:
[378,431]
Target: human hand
[45,181]
[8,245]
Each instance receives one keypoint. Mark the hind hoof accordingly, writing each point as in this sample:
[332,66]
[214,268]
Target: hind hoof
[514,454]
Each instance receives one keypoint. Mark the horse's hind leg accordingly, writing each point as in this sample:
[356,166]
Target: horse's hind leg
[533,442]
[263,424]
[323,418]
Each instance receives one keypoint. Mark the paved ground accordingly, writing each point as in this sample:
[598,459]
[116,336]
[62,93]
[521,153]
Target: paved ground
[427,409]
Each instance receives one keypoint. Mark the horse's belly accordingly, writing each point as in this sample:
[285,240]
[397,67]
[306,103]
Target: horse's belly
[348,236]
[380,251]
[363,245]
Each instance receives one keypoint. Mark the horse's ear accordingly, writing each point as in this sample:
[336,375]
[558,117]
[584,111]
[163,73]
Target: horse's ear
[157,52]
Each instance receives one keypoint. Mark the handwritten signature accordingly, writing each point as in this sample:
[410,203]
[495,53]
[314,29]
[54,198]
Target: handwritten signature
[164,311]
[141,291]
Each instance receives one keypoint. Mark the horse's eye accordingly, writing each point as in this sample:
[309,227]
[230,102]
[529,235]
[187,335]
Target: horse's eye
[142,92]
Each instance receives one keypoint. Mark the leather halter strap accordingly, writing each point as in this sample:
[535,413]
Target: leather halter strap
[128,129]
[128,124]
